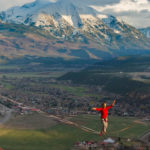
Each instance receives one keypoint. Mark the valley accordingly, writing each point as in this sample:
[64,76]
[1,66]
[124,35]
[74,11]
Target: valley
[67,94]
[58,60]
[73,90]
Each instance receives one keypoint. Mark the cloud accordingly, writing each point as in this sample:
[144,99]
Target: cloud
[126,5]
[137,19]
[5,4]
[135,12]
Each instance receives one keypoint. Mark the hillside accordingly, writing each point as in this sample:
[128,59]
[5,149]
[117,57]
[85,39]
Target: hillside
[75,32]
[124,78]
[120,75]
[20,40]
[64,137]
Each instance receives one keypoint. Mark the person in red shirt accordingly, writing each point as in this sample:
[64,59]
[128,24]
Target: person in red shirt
[104,113]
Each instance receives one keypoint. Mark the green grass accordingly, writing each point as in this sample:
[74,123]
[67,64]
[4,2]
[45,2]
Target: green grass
[7,86]
[9,66]
[64,136]
[76,90]
[32,74]
[118,126]
[59,137]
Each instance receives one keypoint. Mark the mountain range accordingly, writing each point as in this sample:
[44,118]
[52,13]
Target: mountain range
[145,31]
[66,29]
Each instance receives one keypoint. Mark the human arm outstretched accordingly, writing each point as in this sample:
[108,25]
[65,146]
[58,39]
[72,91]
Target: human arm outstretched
[96,109]
[113,103]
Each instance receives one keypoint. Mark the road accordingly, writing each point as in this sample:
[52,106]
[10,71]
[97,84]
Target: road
[84,128]
[46,114]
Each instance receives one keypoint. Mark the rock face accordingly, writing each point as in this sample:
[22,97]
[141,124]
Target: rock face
[90,33]
[145,31]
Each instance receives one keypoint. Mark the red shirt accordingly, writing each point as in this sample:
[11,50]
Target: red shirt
[104,111]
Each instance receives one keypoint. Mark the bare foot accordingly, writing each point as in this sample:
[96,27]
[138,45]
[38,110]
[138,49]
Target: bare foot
[101,133]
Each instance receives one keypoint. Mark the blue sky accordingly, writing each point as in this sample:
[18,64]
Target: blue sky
[134,12]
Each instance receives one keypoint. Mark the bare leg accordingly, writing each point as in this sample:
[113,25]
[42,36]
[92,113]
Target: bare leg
[104,128]
[105,125]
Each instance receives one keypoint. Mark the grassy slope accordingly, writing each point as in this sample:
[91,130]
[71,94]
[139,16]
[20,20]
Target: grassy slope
[58,137]
[30,121]
[118,126]
[63,136]
[114,75]
[76,90]
[31,74]
[21,40]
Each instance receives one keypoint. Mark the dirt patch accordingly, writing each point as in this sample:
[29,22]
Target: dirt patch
[32,121]
[140,122]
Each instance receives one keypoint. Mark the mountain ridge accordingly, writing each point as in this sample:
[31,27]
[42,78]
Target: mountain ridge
[68,31]
[145,31]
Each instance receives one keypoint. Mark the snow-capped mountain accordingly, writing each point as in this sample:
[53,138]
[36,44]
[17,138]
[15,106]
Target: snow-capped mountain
[81,24]
[41,12]
[121,8]
[48,14]
[64,19]
[145,31]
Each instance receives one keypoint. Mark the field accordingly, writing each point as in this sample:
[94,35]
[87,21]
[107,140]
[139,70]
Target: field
[62,137]
[50,88]
[30,121]
[118,126]
[31,74]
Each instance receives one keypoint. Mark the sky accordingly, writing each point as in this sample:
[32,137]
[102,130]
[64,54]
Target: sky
[5,4]
[134,12]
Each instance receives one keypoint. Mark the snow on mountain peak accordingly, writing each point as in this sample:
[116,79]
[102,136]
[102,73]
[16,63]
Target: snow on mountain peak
[71,20]
[29,13]
[60,16]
